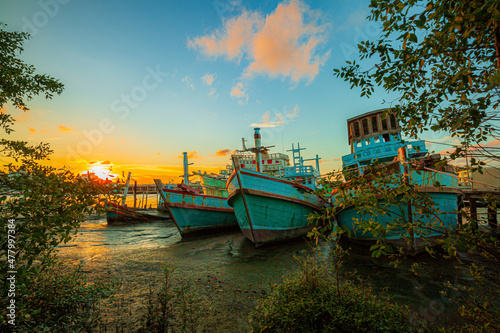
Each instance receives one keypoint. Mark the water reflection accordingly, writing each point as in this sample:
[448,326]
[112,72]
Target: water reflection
[96,238]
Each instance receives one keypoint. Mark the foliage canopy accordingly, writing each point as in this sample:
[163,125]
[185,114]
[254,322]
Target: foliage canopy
[442,59]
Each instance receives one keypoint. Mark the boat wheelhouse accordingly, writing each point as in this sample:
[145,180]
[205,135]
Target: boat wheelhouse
[376,135]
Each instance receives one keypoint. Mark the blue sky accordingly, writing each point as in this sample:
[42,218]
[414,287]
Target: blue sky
[147,80]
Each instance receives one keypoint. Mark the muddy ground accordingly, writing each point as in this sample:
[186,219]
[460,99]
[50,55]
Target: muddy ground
[230,274]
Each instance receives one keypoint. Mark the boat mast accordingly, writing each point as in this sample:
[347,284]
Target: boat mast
[297,160]
[186,168]
[258,153]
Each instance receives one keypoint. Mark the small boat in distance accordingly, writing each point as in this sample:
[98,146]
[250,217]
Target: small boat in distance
[193,211]
[213,184]
[272,208]
[376,136]
[116,213]
[119,213]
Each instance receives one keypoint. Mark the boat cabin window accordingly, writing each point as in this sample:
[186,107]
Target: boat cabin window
[367,142]
[384,124]
[393,121]
[356,130]
[409,147]
[386,137]
[365,127]
[359,144]
[376,139]
[374,124]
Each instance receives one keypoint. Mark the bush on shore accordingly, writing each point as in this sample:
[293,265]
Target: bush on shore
[172,307]
[59,300]
[313,300]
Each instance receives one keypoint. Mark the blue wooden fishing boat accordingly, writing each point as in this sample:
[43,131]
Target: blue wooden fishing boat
[215,184]
[193,211]
[375,136]
[273,208]
[116,213]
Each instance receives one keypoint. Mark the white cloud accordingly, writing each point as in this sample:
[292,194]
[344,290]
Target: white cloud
[208,79]
[283,44]
[279,118]
[187,81]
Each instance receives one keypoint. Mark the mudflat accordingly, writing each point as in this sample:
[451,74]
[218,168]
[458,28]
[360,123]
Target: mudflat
[226,271]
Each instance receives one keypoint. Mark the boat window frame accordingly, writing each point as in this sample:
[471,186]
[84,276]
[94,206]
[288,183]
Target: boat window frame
[364,125]
[384,124]
[374,124]
[357,131]
[393,121]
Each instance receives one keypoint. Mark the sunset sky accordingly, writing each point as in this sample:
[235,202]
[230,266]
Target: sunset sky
[148,80]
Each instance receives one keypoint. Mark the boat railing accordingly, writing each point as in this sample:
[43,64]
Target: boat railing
[274,156]
[381,151]
[301,171]
[277,156]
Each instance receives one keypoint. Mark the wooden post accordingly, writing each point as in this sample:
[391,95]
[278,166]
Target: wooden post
[492,217]
[125,191]
[147,193]
[473,212]
[135,193]
[406,175]
[459,211]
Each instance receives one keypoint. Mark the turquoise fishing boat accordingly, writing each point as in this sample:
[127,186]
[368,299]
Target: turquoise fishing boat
[193,211]
[375,136]
[119,213]
[116,213]
[273,208]
[215,184]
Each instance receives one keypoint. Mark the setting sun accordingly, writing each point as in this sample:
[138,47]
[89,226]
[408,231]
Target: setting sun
[101,170]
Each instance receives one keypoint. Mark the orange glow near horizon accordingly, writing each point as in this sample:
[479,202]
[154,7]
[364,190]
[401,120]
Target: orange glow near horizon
[142,174]
[102,171]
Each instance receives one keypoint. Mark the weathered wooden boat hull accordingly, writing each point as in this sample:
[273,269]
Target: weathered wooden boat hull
[120,214]
[270,209]
[445,199]
[213,186]
[446,203]
[196,212]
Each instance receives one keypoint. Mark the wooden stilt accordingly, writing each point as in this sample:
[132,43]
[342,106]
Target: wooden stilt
[473,212]
[135,193]
[459,211]
[492,217]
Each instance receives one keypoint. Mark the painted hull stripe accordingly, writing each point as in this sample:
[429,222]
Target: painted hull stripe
[270,178]
[187,206]
[192,194]
[276,196]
